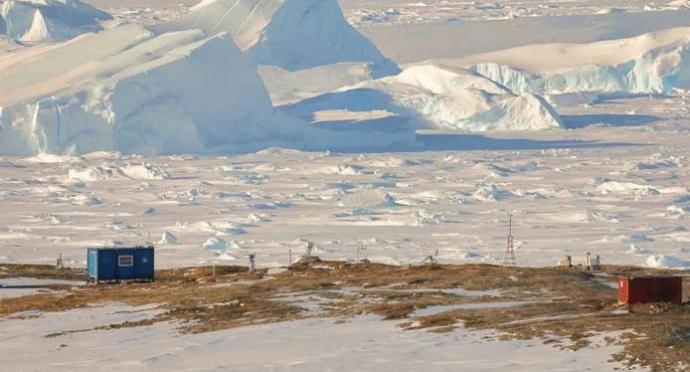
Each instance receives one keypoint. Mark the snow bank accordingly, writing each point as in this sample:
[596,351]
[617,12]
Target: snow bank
[655,62]
[34,21]
[439,97]
[291,34]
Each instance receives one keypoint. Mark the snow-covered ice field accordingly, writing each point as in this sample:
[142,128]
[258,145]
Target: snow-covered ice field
[400,12]
[387,12]
[612,190]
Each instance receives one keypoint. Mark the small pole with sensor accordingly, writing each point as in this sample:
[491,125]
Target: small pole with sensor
[252,263]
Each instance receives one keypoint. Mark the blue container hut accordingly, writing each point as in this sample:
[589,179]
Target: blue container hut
[120,264]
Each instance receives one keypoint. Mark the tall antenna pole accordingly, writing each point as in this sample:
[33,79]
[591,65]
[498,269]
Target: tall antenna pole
[509,258]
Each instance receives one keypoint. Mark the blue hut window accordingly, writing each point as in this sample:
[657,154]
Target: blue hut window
[125,261]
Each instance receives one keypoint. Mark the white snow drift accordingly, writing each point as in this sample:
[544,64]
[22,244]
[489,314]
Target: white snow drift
[33,21]
[655,62]
[291,34]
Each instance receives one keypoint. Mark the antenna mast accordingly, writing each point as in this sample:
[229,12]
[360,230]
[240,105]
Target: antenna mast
[509,258]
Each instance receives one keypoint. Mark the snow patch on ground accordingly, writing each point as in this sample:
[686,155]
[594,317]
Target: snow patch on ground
[362,343]
[18,287]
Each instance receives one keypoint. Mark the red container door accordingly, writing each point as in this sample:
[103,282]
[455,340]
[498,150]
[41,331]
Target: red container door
[623,290]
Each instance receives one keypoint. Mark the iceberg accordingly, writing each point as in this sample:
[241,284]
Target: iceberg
[432,96]
[653,63]
[36,21]
[290,34]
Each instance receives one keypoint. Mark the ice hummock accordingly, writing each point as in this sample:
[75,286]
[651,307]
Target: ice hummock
[167,238]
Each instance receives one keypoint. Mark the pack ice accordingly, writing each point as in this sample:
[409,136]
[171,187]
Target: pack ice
[291,34]
[34,21]
[651,63]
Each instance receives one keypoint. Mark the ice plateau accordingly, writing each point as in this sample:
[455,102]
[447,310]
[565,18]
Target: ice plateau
[35,21]
[290,34]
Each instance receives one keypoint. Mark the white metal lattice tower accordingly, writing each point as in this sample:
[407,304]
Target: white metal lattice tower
[509,258]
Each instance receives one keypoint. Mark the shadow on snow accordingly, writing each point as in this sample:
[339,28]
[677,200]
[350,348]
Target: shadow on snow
[613,120]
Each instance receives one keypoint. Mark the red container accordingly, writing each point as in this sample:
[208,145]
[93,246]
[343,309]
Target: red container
[645,290]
